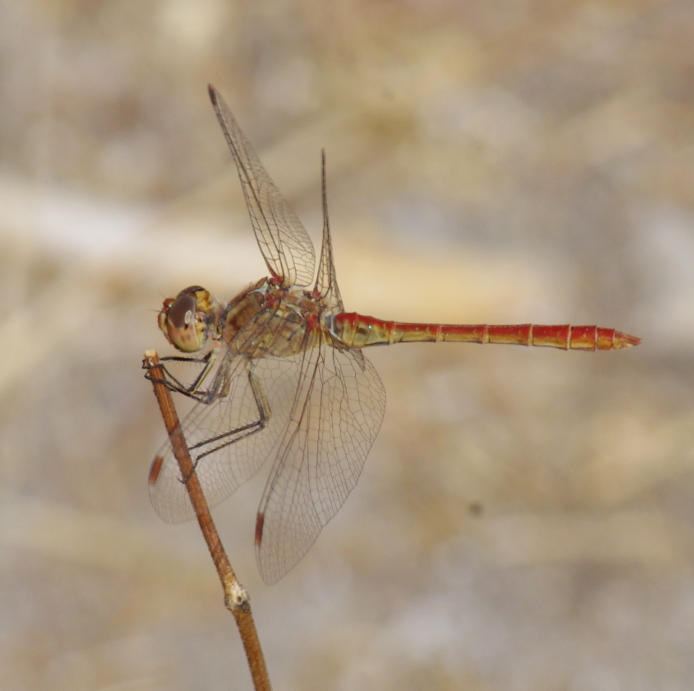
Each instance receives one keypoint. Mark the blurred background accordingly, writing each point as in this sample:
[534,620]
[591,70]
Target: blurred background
[525,518]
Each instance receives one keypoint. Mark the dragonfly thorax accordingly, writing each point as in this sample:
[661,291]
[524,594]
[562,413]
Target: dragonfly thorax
[267,319]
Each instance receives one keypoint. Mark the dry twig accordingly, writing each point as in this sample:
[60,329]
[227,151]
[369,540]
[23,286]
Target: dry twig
[236,597]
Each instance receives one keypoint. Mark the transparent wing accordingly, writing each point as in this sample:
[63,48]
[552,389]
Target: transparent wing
[283,240]
[225,439]
[326,280]
[335,417]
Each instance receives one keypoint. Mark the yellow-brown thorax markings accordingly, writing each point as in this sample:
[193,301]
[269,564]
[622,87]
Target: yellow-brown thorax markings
[267,319]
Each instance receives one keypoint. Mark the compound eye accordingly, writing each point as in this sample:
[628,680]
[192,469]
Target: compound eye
[182,311]
[180,324]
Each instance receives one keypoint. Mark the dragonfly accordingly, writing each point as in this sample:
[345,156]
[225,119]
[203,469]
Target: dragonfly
[283,377]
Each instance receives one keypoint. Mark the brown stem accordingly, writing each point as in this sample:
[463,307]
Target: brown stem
[236,597]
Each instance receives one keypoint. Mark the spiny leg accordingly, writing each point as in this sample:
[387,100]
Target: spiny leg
[191,390]
[236,435]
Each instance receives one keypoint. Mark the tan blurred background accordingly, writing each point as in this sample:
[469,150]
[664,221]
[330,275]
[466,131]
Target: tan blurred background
[525,520]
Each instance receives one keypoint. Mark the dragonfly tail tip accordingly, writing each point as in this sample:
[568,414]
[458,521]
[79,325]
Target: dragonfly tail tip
[622,340]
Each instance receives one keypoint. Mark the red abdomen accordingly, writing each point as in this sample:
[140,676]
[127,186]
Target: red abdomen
[360,331]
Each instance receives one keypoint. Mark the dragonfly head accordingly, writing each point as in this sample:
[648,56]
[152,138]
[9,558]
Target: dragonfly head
[187,319]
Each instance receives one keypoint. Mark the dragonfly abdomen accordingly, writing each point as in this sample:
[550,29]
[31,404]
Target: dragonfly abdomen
[359,331]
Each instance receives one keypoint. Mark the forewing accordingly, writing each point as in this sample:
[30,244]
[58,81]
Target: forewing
[326,280]
[226,443]
[283,240]
[335,418]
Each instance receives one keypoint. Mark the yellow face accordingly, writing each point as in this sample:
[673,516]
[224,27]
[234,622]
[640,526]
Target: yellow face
[186,319]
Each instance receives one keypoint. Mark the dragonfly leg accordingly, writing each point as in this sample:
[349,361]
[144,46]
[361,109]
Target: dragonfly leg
[213,444]
[191,390]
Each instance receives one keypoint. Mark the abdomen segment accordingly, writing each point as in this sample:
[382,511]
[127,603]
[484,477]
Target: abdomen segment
[359,331]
